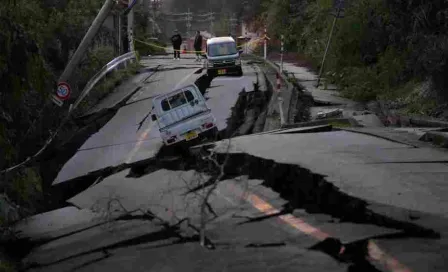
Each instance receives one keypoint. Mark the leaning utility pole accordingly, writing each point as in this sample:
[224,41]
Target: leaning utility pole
[87,40]
[339,6]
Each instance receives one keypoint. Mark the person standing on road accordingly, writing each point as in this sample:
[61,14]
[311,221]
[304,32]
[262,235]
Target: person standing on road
[176,40]
[198,45]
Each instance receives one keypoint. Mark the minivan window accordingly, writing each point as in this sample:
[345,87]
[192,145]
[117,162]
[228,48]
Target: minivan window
[222,49]
[189,95]
[177,100]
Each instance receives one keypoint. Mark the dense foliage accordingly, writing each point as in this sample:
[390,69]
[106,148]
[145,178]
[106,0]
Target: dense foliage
[37,39]
[380,49]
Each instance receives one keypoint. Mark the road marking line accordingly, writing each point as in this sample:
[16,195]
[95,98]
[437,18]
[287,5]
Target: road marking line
[375,252]
[179,85]
[139,143]
[290,219]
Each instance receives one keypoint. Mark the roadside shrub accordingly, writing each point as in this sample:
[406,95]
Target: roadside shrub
[106,86]
[377,48]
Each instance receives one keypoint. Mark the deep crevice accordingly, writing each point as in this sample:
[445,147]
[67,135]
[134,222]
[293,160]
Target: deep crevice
[166,233]
[264,217]
[302,188]
[280,244]
[310,191]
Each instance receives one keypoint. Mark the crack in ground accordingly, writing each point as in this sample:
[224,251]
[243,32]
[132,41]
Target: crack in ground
[164,234]
[265,245]
[97,260]
[23,246]
[299,186]
[410,162]
[356,255]
[304,189]
[265,217]
[179,68]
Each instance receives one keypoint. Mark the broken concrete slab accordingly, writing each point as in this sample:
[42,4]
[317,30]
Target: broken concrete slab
[417,254]
[192,257]
[328,113]
[161,192]
[343,122]
[436,137]
[344,231]
[127,137]
[312,129]
[362,166]
[408,136]
[56,223]
[97,240]
[426,220]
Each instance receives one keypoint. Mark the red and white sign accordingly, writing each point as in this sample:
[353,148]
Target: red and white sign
[279,82]
[63,91]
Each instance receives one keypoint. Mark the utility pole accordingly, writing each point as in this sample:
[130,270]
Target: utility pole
[232,23]
[120,40]
[131,28]
[265,43]
[154,8]
[339,6]
[86,41]
[247,41]
[188,19]
[211,18]
[282,48]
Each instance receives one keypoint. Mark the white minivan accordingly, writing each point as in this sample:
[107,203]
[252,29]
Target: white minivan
[183,115]
[223,57]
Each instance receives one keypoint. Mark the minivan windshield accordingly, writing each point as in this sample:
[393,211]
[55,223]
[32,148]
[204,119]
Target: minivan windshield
[222,49]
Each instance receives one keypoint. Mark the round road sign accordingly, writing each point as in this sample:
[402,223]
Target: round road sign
[63,91]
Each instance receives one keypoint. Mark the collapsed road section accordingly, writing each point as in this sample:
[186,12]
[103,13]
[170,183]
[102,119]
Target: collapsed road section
[79,170]
[298,187]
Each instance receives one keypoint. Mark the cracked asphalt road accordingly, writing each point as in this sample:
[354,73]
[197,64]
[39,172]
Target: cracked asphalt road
[251,223]
[126,139]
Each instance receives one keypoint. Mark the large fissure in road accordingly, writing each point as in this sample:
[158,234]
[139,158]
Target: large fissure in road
[301,188]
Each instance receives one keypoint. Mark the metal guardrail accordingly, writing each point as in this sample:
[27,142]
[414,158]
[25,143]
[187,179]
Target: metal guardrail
[98,76]
[89,86]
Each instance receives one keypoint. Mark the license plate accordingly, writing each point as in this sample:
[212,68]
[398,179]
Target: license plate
[222,72]
[191,135]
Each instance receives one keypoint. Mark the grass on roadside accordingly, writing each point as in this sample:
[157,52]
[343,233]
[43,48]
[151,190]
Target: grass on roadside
[6,266]
[107,86]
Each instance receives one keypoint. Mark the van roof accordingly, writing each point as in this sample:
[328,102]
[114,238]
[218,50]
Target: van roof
[220,40]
